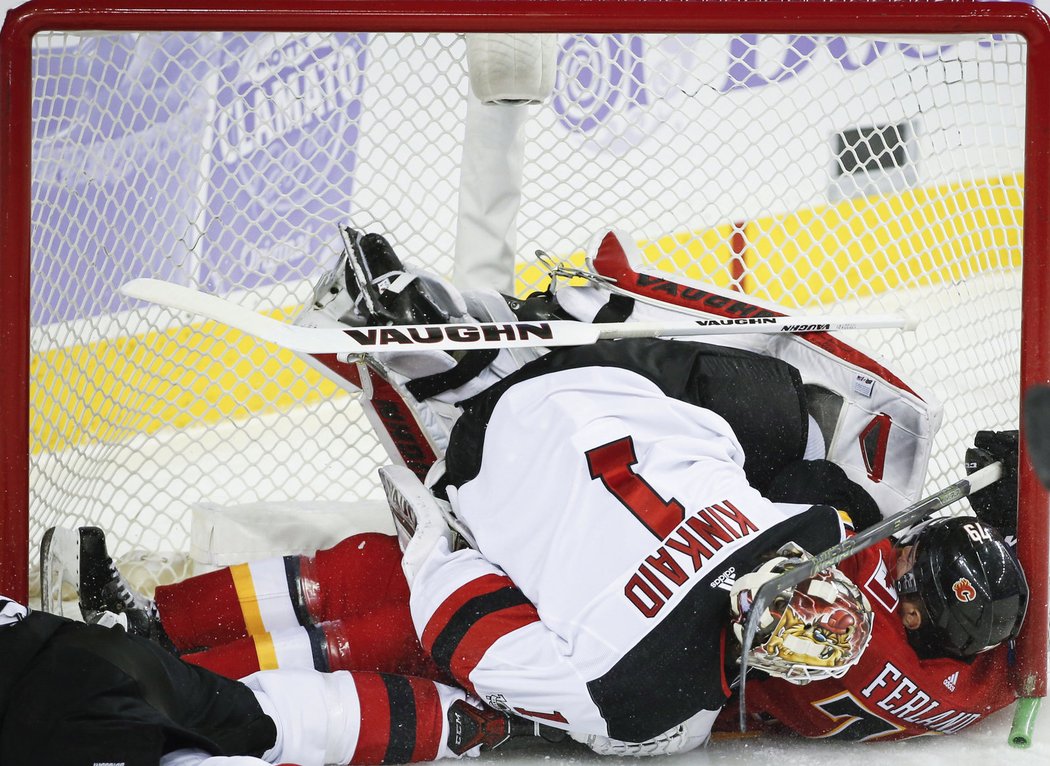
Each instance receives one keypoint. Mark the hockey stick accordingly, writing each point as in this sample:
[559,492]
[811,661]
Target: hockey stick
[915,512]
[466,336]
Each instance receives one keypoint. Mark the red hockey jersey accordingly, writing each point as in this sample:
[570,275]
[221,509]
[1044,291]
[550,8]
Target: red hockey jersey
[891,693]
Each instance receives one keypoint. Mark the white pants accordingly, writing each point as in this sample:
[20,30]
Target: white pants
[318,715]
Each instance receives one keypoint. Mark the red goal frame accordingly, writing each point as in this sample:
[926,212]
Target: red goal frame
[528,15]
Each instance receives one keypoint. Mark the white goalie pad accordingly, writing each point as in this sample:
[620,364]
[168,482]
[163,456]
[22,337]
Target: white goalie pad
[878,426]
[222,535]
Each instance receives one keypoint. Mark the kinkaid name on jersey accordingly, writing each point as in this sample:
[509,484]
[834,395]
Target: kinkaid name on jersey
[414,335]
[692,542]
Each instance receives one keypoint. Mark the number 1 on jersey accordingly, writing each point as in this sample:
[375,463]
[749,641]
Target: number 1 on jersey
[612,463]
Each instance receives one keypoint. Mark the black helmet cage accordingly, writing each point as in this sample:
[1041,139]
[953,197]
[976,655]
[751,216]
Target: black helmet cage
[970,587]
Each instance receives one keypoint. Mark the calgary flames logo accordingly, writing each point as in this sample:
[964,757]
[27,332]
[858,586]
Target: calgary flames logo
[963,590]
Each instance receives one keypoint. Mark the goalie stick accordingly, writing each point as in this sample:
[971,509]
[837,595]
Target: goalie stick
[470,336]
[915,512]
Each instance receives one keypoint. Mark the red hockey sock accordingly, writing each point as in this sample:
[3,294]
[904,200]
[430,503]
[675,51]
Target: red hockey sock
[236,659]
[201,611]
[382,641]
[360,575]
[401,719]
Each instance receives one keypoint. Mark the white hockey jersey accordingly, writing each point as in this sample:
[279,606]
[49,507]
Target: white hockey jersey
[612,512]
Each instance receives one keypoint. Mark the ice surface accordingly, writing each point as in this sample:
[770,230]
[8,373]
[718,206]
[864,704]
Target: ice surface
[983,744]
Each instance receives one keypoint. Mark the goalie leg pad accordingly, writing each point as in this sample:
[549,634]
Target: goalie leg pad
[475,370]
[882,428]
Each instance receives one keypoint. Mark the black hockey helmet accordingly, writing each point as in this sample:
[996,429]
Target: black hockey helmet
[970,586]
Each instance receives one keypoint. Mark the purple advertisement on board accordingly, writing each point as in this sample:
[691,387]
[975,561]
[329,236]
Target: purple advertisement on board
[286,130]
[172,156]
[221,160]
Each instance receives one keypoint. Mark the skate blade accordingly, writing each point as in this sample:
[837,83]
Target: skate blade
[59,564]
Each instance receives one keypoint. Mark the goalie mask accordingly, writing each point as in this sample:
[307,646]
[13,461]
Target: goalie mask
[818,630]
[970,586]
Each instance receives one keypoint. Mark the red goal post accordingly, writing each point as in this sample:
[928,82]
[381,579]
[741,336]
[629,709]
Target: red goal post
[890,190]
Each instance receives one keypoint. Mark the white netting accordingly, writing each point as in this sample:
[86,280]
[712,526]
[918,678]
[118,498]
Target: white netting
[825,173]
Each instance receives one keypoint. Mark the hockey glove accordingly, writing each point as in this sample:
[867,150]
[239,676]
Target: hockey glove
[996,504]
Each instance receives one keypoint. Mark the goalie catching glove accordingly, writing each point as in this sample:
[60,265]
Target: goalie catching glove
[818,630]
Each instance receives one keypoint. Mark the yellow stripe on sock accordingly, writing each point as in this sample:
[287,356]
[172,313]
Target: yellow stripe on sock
[245,587]
[265,651]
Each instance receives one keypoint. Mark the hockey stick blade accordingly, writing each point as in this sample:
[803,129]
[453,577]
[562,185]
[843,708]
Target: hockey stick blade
[902,520]
[468,336]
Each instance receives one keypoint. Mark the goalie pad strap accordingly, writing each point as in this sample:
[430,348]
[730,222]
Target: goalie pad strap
[618,309]
[467,368]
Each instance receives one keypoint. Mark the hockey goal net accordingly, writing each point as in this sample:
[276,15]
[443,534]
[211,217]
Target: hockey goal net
[831,157]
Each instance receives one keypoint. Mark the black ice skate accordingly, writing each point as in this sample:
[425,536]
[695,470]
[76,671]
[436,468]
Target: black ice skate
[102,588]
[381,290]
